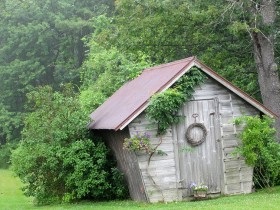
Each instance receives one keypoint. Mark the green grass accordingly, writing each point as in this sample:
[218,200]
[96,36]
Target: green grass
[11,198]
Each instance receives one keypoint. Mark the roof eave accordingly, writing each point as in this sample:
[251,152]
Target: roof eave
[138,111]
[234,89]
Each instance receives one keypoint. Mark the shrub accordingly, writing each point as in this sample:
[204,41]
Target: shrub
[58,159]
[260,149]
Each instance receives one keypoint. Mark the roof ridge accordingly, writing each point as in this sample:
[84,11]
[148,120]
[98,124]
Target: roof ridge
[168,64]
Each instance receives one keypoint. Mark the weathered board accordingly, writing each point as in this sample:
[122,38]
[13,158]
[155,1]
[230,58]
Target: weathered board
[127,162]
[159,175]
[230,107]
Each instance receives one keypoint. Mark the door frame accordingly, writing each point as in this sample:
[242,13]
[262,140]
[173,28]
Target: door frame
[177,144]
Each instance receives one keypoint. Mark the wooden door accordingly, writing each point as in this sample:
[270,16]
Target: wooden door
[200,163]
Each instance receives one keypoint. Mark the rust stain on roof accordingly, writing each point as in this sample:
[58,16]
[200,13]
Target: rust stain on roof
[133,97]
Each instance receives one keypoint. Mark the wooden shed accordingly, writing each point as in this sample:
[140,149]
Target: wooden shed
[215,104]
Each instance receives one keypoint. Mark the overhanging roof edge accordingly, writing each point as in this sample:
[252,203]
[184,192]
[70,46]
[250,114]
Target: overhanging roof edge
[139,110]
[234,89]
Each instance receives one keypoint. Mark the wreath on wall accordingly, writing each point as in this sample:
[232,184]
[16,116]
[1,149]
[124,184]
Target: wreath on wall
[195,142]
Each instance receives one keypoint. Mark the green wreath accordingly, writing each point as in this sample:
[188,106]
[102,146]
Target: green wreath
[188,134]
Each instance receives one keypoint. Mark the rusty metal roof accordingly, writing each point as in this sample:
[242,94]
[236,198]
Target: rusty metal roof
[133,97]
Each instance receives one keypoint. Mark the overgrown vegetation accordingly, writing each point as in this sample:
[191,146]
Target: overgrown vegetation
[260,149]
[57,159]
[164,107]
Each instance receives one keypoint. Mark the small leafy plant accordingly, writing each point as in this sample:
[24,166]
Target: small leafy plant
[141,142]
[198,187]
[138,142]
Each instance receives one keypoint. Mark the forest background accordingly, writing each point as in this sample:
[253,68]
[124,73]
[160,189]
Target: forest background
[97,46]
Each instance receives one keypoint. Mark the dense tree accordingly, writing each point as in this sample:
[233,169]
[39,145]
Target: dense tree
[259,19]
[106,67]
[40,44]
[264,53]
[168,30]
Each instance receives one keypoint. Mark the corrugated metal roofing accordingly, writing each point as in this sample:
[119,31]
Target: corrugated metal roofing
[132,98]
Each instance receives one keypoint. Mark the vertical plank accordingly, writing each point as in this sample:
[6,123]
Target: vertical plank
[230,107]
[160,174]
[127,163]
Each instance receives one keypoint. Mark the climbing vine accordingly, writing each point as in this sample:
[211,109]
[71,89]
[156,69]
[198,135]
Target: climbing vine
[164,106]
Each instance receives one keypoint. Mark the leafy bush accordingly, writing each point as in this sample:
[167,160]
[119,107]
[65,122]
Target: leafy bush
[260,149]
[58,160]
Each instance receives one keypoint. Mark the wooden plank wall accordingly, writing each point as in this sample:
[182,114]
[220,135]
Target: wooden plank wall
[159,175]
[127,162]
[237,176]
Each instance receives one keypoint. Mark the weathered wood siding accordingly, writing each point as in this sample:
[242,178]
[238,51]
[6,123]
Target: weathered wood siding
[159,175]
[127,162]
[237,176]
[163,177]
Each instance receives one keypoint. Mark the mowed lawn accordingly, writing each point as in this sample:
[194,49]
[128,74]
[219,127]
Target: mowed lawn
[11,198]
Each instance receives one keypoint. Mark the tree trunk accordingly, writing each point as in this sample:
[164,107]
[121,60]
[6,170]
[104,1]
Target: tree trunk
[268,77]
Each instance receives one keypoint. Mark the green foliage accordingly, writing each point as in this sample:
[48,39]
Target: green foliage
[10,123]
[171,30]
[164,106]
[57,158]
[260,149]
[189,81]
[104,71]
[5,154]
[41,44]
[139,142]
